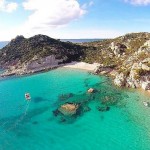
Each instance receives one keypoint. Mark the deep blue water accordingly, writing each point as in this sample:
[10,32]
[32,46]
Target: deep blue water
[32,125]
[80,40]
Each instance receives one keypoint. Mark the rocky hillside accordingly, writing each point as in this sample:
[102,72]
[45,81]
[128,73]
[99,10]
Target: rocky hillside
[126,58]
[22,50]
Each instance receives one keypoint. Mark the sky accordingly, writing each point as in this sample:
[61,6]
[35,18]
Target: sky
[73,19]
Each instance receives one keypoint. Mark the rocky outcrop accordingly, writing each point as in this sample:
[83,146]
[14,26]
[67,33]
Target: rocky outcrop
[130,57]
[118,48]
[145,67]
[33,66]
[69,109]
[145,47]
[103,108]
[43,63]
[91,90]
[120,80]
[147,43]
[146,85]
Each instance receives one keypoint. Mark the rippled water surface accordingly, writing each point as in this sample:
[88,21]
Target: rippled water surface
[33,126]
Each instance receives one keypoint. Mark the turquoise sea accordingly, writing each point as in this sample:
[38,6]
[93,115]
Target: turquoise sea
[33,126]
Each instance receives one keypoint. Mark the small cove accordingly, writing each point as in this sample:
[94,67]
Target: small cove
[124,126]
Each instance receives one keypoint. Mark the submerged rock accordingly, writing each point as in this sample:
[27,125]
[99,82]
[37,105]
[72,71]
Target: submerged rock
[147,104]
[86,109]
[34,122]
[62,120]
[104,108]
[65,96]
[91,90]
[69,109]
[56,112]
[108,100]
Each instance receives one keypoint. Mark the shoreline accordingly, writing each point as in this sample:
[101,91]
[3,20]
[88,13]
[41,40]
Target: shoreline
[143,91]
[93,68]
[83,66]
[73,65]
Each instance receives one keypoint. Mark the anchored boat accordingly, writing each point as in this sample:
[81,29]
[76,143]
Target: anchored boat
[27,96]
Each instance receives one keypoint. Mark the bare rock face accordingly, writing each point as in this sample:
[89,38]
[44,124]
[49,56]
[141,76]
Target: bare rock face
[120,80]
[146,85]
[45,62]
[147,43]
[133,71]
[145,47]
[68,109]
[146,60]
[132,83]
[118,48]
[145,67]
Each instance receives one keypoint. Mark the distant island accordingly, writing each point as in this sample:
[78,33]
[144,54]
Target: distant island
[80,40]
[3,43]
[126,58]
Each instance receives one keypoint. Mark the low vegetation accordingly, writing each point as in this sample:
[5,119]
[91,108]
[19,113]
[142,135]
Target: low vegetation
[23,50]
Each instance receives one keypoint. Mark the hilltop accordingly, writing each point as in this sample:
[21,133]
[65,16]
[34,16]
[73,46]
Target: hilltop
[23,50]
[37,53]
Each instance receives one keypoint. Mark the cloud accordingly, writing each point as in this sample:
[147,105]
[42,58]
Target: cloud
[91,3]
[52,13]
[49,17]
[63,33]
[86,5]
[8,6]
[138,2]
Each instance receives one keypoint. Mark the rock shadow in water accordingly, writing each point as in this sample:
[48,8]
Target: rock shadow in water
[111,96]
[63,97]
[64,118]
[10,122]
[35,122]
[39,100]
[106,96]
[86,82]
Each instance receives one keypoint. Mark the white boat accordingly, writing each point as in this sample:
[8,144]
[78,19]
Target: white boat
[27,96]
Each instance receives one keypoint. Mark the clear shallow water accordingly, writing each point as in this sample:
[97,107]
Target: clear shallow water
[32,126]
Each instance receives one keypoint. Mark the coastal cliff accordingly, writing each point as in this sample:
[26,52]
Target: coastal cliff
[126,58]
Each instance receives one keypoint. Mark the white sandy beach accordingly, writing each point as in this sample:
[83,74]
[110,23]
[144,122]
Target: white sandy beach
[82,65]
